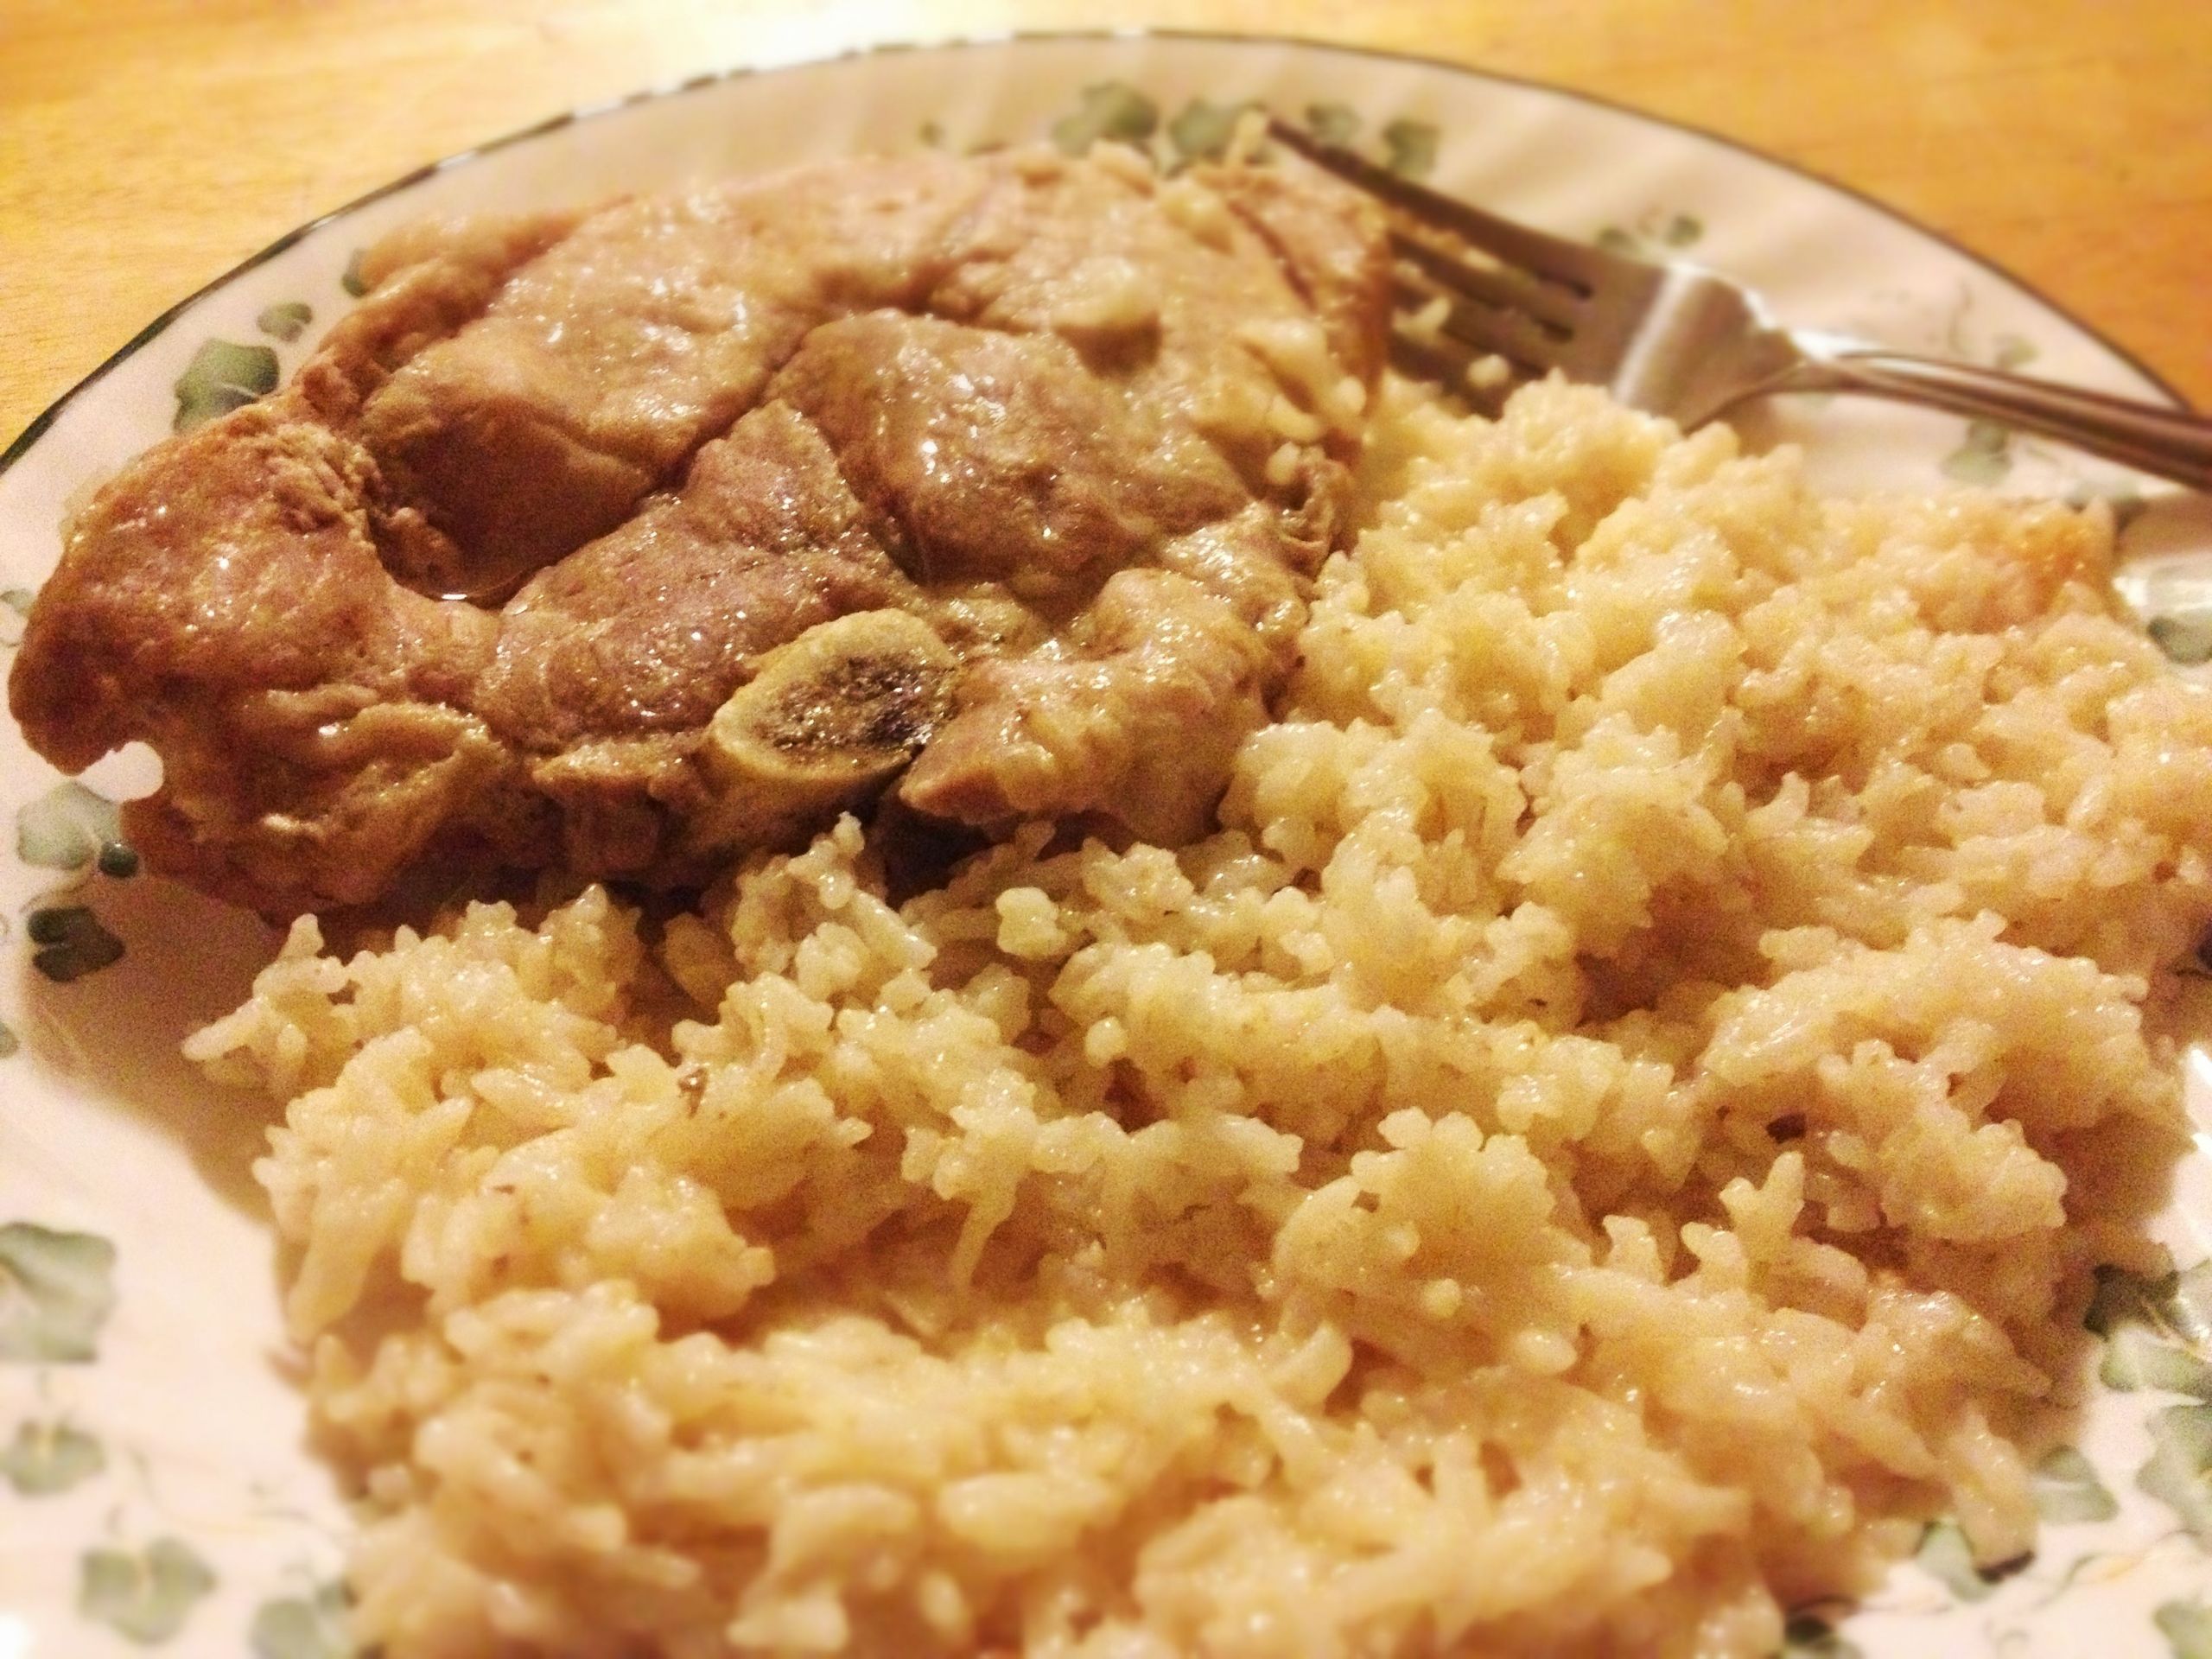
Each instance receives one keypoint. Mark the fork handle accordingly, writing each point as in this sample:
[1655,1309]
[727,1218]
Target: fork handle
[2167,442]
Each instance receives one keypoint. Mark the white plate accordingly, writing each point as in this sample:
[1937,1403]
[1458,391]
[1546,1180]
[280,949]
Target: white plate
[157,1493]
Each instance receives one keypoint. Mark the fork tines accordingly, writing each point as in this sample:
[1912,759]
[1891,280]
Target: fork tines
[1484,303]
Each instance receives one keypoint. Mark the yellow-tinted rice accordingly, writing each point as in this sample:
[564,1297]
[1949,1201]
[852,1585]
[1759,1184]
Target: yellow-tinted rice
[1603,1142]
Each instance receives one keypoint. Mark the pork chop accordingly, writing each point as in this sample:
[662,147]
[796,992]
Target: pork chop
[627,539]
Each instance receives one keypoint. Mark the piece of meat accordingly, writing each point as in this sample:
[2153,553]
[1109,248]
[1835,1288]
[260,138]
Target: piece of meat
[1160,680]
[995,457]
[1087,430]
[650,627]
[594,374]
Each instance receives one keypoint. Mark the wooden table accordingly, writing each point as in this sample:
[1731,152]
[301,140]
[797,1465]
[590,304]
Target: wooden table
[147,145]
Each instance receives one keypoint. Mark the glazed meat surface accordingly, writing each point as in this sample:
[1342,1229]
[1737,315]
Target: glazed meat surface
[627,539]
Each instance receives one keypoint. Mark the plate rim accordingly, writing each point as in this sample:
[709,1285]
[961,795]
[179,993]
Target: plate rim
[44,420]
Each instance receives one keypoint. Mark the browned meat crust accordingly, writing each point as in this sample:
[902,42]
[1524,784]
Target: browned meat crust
[489,581]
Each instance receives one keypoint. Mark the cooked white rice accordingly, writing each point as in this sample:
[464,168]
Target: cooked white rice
[1600,1146]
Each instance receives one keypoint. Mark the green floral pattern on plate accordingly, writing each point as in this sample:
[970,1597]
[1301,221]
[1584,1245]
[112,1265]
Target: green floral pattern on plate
[2188,1626]
[1201,129]
[70,941]
[2155,1331]
[1656,234]
[56,1290]
[1811,1636]
[286,320]
[309,1626]
[145,1595]
[2067,1490]
[71,827]
[220,377]
[45,1459]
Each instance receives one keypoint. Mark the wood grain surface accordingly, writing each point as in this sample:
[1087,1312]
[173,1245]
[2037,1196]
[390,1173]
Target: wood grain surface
[147,145]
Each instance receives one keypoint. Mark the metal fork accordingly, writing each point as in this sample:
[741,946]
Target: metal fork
[1677,340]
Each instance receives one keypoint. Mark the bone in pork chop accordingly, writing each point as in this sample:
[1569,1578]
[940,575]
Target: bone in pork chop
[626,539]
